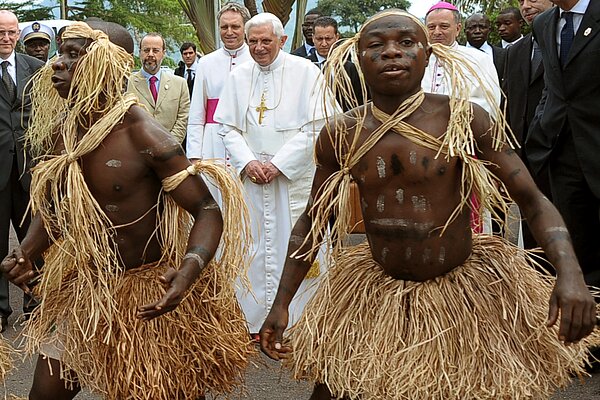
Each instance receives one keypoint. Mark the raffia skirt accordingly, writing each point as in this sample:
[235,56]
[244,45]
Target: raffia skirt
[477,332]
[7,353]
[201,346]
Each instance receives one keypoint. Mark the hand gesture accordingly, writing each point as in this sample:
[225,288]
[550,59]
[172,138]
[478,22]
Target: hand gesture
[254,171]
[177,283]
[271,171]
[577,309]
[18,269]
[271,334]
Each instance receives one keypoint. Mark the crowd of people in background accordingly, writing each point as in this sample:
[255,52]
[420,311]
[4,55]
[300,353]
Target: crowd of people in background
[439,138]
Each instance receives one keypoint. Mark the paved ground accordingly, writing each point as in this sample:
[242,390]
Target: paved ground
[265,380]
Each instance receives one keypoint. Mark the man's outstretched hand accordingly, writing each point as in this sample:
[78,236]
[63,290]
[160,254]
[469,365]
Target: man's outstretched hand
[18,269]
[271,334]
[577,309]
[177,284]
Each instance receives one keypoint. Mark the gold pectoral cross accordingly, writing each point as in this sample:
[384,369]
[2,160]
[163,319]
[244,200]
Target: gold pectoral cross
[261,108]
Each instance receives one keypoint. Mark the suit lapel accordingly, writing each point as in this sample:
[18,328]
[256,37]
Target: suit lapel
[587,30]
[165,86]
[142,87]
[550,38]
[23,75]
[524,56]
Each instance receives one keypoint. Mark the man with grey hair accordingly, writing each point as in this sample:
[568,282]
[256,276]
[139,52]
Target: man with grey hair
[272,110]
[444,24]
[203,141]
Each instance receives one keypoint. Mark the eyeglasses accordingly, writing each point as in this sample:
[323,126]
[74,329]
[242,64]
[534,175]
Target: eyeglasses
[10,34]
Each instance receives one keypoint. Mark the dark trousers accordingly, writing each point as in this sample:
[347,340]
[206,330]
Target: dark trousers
[579,207]
[13,206]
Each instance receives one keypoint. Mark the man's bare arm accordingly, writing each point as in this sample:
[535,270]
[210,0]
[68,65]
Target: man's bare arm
[166,158]
[571,296]
[296,268]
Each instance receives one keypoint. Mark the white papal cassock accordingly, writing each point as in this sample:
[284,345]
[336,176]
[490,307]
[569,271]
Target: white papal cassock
[286,135]
[436,79]
[203,140]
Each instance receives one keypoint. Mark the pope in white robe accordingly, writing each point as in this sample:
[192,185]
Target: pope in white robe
[272,114]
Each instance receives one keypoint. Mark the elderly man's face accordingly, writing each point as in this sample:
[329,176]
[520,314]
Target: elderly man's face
[442,27]
[264,44]
[9,33]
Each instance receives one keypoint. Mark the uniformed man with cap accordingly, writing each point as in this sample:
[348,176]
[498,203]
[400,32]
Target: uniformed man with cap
[36,39]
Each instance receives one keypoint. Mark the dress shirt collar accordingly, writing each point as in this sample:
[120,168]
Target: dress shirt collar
[12,62]
[308,48]
[147,76]
[506,44]
[485,47]
[579,8]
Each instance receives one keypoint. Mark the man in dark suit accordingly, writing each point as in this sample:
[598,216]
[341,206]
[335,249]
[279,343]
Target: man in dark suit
[477,30]
[325,35]
[523,85]
[565,132]
[187,67]
[308,47]
[15,108]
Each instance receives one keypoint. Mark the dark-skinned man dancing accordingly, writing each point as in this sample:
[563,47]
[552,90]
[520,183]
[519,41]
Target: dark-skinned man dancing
[425,309]
[133,304]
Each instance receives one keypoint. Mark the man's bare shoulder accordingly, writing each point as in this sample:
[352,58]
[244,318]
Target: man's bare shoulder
[145,133]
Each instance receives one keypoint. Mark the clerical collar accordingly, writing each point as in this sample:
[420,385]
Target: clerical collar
[275,64]
[235,52]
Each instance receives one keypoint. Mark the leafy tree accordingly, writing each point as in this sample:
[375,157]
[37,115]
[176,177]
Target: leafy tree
[353,13]
[139,17]
[488,7]
[26,11]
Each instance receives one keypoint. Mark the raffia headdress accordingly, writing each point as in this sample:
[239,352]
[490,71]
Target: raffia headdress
[458,141]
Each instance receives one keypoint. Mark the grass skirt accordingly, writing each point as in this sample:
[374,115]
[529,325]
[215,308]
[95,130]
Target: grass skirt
[203,345]
[477,332]
[6,358]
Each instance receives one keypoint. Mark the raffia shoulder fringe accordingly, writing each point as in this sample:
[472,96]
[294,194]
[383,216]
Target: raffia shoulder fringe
[477,332]
[458,141]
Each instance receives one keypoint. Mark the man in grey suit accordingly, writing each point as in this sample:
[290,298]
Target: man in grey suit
[15,108]
[565,132]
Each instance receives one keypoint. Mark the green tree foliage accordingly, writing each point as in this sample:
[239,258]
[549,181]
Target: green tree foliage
[139,17]
[352,13]
[488,7]
[26,11]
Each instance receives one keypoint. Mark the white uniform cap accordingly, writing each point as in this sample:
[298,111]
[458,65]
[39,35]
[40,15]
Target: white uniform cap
[37,31]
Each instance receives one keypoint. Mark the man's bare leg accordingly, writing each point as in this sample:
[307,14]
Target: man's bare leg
[49,386]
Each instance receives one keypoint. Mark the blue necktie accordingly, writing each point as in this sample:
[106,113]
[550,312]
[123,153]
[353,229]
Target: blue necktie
[566,37]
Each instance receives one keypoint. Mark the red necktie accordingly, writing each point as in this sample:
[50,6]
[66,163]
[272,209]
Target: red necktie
[153,90]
